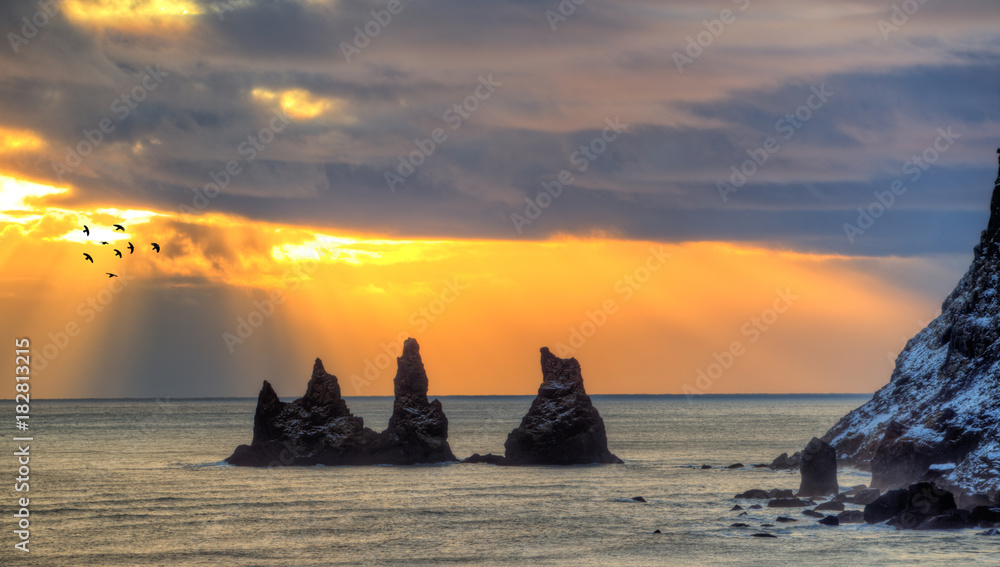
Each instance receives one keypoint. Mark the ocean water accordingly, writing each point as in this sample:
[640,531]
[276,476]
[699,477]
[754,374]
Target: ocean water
[116,483]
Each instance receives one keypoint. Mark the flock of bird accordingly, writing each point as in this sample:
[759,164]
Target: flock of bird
[131,249]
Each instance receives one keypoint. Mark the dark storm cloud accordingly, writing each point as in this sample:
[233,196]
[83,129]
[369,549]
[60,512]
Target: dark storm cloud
[656,181]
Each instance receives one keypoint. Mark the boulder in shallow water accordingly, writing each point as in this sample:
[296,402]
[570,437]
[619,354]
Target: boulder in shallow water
[830,521]
[788,503]
[818,468]
[488,458]
[851,517]
[754,493]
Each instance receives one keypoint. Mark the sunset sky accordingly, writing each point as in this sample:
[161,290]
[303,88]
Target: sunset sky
[489,177]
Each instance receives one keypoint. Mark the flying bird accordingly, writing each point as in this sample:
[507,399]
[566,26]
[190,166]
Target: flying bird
[86,230]
[119,227]
[103,243]
[87,257]
[118,253]
[131,248]
[156,247]
[110,275]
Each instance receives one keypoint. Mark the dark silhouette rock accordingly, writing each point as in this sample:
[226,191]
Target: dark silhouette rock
[813,514]
[887,506]
[784,519]
[741,515]
[754,493]
[942,404]
[866,496]
[739,525]
[488,458]
[735,466]
[909,508]
[755,507]
[818,468]
[784,462]
[656,531]
[767,525]
[562,427]
[833,506]
[781,493]
[851,517]
[830,521]
[986,514]
[418,428]
[788,503]
[950,520]
[736,508]
[990,532]
[314,429]
[703,467]
[762,534]
[318,428]
[638,499]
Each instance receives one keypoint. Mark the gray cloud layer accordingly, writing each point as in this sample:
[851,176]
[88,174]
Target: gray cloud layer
[557,87]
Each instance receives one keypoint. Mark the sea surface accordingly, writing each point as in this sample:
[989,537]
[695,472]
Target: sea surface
[116,483]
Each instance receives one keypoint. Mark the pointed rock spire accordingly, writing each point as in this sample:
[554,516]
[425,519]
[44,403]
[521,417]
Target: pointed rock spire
[418,429]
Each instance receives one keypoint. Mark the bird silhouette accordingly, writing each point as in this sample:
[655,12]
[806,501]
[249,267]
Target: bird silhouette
[103,243]
[110,275]
[119,227]
[87,257]
[131,248]
[156,247]
[118,253]
[86,230]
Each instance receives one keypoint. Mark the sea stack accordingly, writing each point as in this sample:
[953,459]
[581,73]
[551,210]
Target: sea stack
[314,429]
[938,418]
[818,467]
[418,429]
[562,427]
[318,428]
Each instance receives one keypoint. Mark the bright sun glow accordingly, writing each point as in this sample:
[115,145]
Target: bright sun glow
[132,11]
[298,103]
[19,140]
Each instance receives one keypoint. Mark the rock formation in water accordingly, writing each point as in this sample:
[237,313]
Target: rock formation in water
[418,429]
[319,429]
[818,468]
[938,418]
[562,427]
